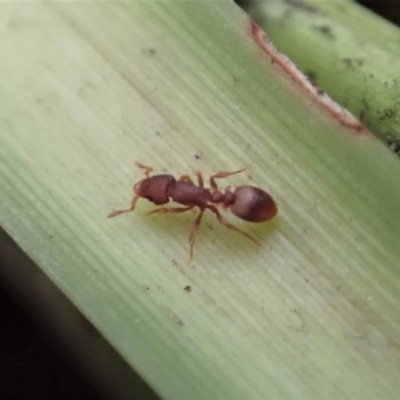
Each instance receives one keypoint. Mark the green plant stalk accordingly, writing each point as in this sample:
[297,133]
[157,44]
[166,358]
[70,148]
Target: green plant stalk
[348,51]
[86,89]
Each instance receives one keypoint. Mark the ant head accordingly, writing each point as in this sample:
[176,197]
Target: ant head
[154,188]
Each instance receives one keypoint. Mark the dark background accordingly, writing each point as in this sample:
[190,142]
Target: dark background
[31,365]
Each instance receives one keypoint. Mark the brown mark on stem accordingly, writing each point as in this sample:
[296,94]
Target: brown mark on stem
[344,117]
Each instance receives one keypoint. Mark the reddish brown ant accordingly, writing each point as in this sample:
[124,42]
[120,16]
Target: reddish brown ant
[246,202]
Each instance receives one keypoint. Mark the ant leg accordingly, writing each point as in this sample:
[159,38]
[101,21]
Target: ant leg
[174,210]
[119,212]
[186,178]
[224,222]
[193,230]
[214,185]
[200,179]
[147,169]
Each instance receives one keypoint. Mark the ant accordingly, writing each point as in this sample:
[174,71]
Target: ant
[246,202]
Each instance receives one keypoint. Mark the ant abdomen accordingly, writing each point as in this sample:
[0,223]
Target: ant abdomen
[253,204]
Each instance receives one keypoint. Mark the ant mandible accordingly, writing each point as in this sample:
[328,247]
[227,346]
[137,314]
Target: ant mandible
[246,202]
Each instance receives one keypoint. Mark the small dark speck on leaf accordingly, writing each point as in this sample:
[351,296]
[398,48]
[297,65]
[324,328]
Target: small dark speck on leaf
[325,30]
[176,319]
[187,288]
[353,63]
[312,76]
[387,113]
[302,5]
[394,144]
[197,157]
[149,52]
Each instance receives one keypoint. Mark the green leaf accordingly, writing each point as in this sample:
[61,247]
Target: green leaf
[350,52]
